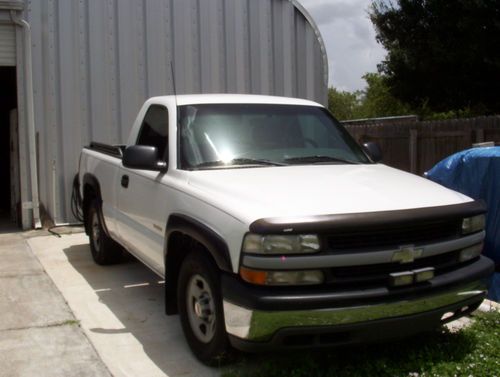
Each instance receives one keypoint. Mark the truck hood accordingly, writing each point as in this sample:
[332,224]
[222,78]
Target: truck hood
[250,194]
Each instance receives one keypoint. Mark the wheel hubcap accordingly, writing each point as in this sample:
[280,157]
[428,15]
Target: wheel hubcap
[200,308]
[96,232]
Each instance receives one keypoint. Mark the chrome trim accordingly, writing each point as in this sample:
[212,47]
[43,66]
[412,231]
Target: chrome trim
[354,258]
[256,325]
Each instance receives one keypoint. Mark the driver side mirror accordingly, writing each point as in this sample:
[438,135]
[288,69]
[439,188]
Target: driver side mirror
[143,157]
[373,150]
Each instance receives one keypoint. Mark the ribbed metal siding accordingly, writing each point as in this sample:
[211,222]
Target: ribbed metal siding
[7,45]
[96,61]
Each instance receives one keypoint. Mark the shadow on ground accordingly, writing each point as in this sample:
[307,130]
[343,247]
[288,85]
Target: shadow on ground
[6,224]
[135,296]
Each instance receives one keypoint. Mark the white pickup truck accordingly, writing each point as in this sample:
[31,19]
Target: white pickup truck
[273,228]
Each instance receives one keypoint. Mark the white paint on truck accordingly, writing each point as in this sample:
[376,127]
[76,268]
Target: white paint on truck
[282,187]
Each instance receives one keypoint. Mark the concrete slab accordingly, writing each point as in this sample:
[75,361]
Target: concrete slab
[11,239]
[31,301]
[56,351]
[488,306]
[121,310]
[28,298]
[39,335]
[15,260]
[459,324]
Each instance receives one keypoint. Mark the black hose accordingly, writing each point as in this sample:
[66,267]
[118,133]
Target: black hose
[51,231]
[76,200]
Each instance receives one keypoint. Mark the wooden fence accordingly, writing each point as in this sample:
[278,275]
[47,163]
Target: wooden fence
[416,146]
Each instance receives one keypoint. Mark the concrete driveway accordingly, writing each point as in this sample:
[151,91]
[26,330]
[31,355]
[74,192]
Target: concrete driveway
[39,335]
[120,309]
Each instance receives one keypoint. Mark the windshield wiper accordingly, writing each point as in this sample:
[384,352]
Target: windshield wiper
[239,161]
[318,159]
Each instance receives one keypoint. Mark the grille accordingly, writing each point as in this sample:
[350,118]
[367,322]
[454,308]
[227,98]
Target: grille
[394,235]
[379,274]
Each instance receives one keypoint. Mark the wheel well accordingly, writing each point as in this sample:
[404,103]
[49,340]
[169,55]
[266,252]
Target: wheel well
[179,246]
[89,194]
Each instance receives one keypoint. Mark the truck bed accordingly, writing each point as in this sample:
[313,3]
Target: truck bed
[111,150]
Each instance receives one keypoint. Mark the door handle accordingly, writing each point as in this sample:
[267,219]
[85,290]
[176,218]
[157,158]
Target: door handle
[125,181]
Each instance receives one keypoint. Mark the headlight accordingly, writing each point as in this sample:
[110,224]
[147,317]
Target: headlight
[473,224]
[309,277]
[282,244]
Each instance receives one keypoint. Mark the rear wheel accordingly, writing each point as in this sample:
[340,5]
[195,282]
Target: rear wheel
[200,309]
[104,250]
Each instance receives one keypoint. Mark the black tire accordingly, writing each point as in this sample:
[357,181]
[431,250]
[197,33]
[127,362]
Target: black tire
[104,250]
[205,312]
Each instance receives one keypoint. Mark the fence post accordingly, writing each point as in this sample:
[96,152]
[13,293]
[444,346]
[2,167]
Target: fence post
[413,150]
[479,135]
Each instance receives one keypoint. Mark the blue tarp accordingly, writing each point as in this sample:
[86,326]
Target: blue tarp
[476,173]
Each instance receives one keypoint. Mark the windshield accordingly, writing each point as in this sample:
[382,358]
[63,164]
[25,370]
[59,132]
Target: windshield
[245,135]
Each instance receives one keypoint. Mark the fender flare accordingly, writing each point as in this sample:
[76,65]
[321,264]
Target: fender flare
[215,244]
[91,180]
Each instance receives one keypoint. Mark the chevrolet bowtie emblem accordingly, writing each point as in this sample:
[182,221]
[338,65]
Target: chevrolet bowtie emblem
[407,254]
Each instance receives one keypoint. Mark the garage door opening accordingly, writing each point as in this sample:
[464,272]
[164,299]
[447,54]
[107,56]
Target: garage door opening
[9,155]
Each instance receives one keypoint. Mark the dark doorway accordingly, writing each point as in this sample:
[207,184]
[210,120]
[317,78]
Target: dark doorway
[8,102]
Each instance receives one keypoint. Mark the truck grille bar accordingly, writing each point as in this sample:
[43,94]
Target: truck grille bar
[403,234]
[379,274]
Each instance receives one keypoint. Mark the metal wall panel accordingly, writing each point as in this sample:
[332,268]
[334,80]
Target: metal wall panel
[7,45]
[96,61]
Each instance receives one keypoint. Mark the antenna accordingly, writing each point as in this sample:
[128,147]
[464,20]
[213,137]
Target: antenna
[173,78]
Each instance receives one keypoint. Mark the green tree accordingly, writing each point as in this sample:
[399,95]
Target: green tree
[377,100]
[442,55]
[343,105]
[373,102]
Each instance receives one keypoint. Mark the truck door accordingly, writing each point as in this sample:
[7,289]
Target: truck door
[141,197]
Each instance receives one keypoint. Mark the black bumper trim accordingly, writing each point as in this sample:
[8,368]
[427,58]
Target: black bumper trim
[253,297]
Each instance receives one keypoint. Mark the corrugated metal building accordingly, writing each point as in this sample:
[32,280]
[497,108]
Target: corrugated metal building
[90,64]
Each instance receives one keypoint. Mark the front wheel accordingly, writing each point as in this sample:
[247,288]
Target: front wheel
[104,250]
[200,309]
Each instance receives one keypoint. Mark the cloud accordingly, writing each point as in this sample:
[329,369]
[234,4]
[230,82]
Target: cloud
[327,12]
[350,40]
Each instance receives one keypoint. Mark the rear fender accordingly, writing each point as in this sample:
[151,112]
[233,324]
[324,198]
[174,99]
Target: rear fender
[92,191]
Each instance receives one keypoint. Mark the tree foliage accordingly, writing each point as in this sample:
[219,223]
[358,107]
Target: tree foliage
[378,101]
[344,105]
[442,55]
[373,102]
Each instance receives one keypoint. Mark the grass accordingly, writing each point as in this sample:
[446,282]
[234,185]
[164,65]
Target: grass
[69,322]
[72,322]
[473,351]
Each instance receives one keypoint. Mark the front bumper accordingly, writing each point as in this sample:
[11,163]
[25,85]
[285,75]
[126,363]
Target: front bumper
[256,316]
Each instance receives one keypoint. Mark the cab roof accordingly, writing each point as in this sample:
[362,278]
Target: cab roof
[196,99]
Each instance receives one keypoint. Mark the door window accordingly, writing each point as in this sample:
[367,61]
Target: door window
[154,129]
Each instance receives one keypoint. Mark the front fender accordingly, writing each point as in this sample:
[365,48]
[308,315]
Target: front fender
[215,244]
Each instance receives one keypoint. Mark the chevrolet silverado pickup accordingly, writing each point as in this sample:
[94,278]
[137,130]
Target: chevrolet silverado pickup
[274,229]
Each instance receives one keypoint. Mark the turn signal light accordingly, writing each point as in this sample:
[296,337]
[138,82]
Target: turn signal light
[253,276]
[259,277]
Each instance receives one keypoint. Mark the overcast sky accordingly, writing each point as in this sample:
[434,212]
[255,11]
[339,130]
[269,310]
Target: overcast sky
[350,40]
